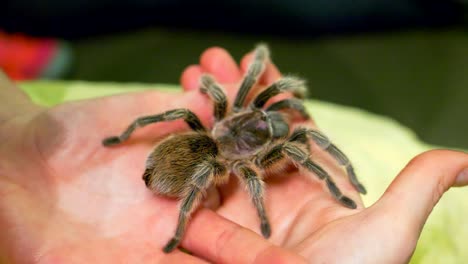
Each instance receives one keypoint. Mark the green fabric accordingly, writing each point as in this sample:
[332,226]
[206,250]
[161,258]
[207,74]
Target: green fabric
[378,146]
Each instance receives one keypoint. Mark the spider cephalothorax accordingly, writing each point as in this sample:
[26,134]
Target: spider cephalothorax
[246,141]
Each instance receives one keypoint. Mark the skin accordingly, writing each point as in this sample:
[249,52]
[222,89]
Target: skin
[67,199]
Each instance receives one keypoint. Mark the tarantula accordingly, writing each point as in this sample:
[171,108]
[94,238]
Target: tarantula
[245,140]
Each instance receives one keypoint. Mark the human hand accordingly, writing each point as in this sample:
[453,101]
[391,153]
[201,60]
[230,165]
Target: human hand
[67,187]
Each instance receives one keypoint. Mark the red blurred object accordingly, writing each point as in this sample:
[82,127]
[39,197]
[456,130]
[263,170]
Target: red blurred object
[23,57]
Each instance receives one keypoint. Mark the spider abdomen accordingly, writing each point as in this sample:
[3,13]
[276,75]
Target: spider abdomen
[174,160]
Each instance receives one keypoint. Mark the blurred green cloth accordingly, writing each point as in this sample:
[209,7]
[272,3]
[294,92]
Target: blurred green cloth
[378,146]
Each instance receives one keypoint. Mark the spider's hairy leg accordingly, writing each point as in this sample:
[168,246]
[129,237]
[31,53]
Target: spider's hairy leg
[256,189]
[324,143]
[301,157]
[201,180]
[261,55]
[215,91]
[190,118]
[287,84]
[293,104]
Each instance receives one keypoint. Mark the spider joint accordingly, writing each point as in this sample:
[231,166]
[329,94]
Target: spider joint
[295,153]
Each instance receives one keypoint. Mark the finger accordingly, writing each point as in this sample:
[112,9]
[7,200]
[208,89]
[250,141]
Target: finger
[245,62]
[190,77]
[220,64]
[417,189]
[269,76]
[218,240]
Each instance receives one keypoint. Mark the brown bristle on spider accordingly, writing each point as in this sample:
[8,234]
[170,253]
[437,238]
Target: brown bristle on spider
[246,141]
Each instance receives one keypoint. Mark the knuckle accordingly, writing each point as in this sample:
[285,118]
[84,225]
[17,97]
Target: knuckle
[226,238]
[440,188]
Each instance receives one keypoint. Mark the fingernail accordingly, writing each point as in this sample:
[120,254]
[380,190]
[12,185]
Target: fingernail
[462,178]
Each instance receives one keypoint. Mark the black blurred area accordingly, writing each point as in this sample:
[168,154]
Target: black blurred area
[304,18]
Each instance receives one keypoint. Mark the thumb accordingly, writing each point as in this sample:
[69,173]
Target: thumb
[417,189]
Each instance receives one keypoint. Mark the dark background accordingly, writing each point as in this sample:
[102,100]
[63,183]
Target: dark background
[404,59]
